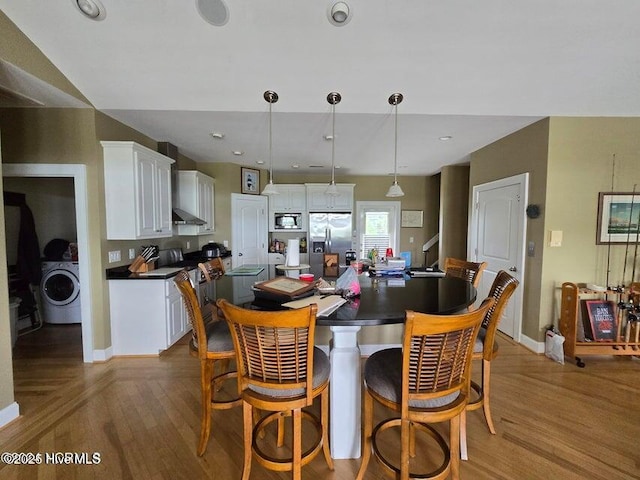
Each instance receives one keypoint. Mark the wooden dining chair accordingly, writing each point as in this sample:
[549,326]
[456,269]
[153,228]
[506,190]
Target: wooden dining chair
[426,381]
[486,349]
[281,372]
[469,271]
[211,343]
[212,269]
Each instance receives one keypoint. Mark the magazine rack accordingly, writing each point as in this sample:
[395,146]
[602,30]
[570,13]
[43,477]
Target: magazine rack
[615,339]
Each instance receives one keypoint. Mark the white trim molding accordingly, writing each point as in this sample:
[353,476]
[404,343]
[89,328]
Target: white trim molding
[9,413]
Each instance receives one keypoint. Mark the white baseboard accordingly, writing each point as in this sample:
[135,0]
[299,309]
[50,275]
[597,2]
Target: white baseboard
[102,355]
[531,344]
[9,414]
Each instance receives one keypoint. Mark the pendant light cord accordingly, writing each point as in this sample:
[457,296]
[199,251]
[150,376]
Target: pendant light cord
[270,154]
[333,142]
[395,150]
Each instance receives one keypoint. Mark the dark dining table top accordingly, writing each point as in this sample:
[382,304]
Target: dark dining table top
[384,300]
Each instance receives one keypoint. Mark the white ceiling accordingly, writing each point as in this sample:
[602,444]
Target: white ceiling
[473,70]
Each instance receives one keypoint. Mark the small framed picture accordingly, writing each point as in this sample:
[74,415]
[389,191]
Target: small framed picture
[618,218]
[411,218]
[250,181]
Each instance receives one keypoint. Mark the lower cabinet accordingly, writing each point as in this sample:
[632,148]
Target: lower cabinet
[147,316]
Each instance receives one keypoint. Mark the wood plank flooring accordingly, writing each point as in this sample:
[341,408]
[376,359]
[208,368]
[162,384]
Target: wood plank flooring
[142,416]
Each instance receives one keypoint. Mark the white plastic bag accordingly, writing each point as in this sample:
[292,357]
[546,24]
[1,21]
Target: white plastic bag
[348,283]
[553,346]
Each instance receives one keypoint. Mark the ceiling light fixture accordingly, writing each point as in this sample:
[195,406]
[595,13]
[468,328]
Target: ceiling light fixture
[339,14]
[333,98]
[394,189]
[217,135]
[238,153]
[446,138]
[92,9]
[270,189]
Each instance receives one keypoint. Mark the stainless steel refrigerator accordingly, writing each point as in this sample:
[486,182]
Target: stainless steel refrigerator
[329,233]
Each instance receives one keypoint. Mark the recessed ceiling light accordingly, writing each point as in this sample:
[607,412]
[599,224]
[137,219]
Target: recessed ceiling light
[446,138]
[328,137]
[337,167]
[295,165]
[339,13]
[217,135]
[92,9]
[260,162]
[238,152]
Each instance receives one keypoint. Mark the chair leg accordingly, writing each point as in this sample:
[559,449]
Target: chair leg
[463,435]
[406,433]
[368,427]
[454,446]
[224,367]
[297,444]
[324,420]
[280,441]
[206,375]
[486,382]
[247,421]
[412,440]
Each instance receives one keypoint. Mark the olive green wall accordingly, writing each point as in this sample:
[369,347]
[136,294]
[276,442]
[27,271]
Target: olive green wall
[523,151]
[454,209]
[579,167]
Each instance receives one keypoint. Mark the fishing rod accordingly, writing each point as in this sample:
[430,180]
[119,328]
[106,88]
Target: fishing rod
[613,174]
[626,252]
[635,253]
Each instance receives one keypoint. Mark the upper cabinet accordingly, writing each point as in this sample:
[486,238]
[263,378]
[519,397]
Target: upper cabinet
[196,196]
[318,201]
[137,184]
[292,198]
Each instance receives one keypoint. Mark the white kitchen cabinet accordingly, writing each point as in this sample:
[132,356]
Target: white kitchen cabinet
[137,184]
[196,196]
[147,316]
[291,199]
[318,201]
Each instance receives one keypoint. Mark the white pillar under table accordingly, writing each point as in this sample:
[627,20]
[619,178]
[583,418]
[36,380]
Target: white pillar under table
[345,393]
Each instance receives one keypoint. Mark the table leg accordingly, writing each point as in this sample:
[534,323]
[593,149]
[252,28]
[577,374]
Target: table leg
[345,388]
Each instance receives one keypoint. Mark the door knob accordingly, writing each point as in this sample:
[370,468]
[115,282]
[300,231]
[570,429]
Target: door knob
[512,269]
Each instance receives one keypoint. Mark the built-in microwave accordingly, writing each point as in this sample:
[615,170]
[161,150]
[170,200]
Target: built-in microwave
[287,221]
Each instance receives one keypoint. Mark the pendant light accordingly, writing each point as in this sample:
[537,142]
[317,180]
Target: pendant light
[333,98]
[394,189]
[270,189]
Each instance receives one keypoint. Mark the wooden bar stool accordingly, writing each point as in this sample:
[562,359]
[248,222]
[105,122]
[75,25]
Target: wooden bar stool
[426,381]
[280,371]
[470,271]
[486,349]
[211,343]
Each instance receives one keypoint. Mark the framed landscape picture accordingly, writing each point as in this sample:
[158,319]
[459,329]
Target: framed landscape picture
[250,181]
[618,217]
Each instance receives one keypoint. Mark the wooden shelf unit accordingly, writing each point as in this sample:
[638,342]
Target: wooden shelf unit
[570,316]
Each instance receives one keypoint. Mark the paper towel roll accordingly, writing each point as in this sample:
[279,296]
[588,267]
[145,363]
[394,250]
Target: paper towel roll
[293,253]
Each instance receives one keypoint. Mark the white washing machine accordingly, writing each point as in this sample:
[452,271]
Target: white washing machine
[60,292]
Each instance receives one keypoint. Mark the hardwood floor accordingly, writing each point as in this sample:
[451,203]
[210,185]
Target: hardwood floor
[142,416]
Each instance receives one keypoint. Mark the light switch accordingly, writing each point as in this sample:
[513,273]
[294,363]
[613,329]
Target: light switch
[114,256]
[531,249]
[555,238]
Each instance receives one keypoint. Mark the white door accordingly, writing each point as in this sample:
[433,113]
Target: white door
[248,229]
[498,226]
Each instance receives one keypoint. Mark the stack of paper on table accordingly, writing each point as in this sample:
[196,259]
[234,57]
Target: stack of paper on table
[326,304]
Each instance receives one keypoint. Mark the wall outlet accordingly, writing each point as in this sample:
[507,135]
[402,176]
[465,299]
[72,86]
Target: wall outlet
[188,244]
[225,243]
[132,253]
[410,239]
[114,256]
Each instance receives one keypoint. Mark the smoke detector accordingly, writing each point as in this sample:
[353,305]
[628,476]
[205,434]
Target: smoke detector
[339,14]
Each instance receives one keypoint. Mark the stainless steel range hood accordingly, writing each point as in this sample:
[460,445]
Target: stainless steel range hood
[179,216]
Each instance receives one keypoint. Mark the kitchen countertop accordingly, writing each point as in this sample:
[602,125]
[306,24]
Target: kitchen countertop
[190,262]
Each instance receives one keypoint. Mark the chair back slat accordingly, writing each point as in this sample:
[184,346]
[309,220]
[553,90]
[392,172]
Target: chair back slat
[211,269]
[469,271]
[274,349]
[501,290]
[437,352]
[194,313]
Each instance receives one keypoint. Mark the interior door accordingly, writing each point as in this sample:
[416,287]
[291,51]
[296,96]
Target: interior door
[497,237]
[248,229]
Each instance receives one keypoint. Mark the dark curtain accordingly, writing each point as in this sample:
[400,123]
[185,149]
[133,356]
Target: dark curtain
[28,262]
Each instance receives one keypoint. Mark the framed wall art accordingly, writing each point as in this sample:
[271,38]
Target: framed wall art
[411,218]
[618,217]
[250,181]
